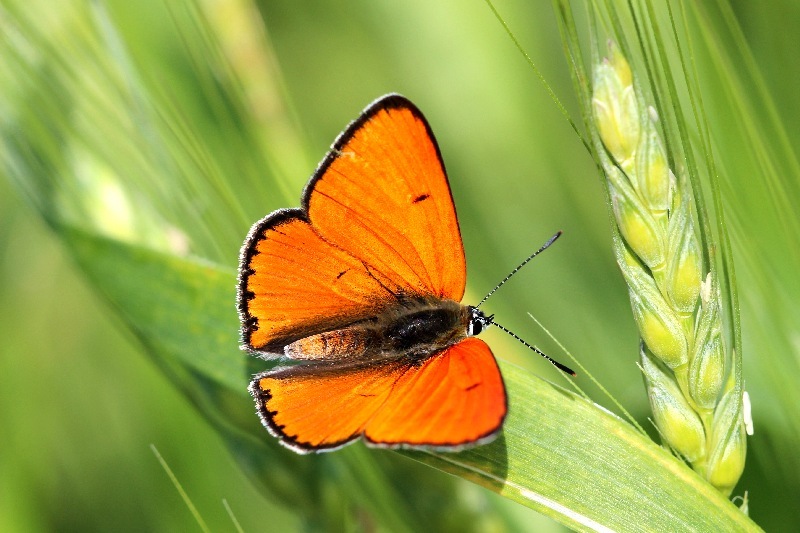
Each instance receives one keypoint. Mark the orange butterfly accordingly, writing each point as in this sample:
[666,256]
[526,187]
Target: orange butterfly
[362,287]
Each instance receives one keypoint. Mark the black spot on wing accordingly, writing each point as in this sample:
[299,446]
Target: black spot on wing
[420,198]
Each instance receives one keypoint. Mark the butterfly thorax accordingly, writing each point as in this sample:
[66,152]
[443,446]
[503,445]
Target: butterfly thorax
[414,328]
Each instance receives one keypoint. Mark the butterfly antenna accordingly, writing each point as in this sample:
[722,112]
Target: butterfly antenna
[556,364]
[534,254]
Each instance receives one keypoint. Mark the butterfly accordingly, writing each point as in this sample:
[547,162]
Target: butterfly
[361,289]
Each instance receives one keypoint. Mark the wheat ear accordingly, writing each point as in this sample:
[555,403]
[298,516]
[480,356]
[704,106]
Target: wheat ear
[675,296]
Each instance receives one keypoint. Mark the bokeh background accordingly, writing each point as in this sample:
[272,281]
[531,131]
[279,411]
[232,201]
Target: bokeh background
[80,401]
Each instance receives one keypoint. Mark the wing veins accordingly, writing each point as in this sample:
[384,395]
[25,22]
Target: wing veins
[379,238]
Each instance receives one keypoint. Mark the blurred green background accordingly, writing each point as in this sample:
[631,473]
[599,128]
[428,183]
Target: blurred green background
[80,402]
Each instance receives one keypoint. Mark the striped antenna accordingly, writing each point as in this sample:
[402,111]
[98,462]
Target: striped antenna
[556,364]
[544,247]
[534,254]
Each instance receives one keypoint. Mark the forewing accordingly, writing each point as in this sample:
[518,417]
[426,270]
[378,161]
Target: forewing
[383,195]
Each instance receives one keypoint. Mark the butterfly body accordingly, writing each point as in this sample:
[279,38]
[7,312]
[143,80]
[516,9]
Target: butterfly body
[414,329]
[361,289]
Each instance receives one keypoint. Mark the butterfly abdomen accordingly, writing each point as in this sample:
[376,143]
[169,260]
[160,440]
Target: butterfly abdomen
[356,341]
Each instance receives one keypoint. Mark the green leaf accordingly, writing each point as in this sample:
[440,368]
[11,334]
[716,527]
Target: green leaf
[559,453]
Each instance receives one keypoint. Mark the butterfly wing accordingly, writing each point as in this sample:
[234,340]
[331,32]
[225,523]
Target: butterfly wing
[453,399]
[294,284]
[377,223]
[383,192]
[316,407]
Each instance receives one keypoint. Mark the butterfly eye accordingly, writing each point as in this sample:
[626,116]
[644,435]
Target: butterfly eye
[477,321]
[474,328]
